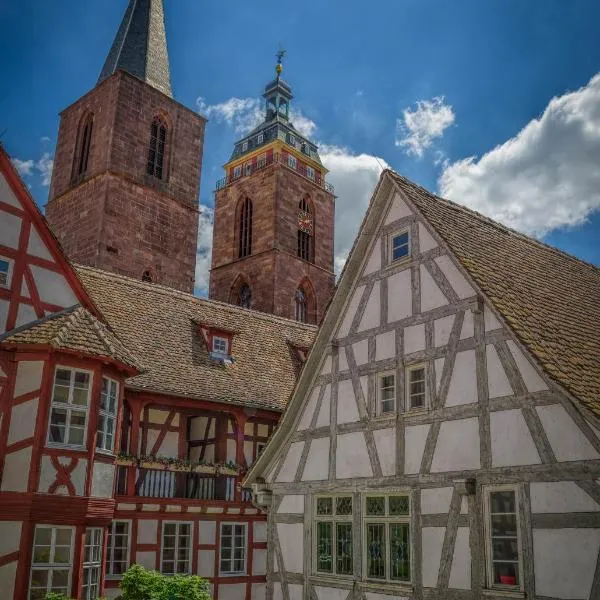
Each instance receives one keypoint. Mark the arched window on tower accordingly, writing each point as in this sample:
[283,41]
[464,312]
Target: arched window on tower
[245,296]
[305,230]
[245,229]
[157,148]
[301,313]
[147,276]
[85,142]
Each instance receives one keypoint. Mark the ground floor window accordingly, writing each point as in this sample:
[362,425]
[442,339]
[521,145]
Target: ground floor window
[233,549]
[117,549]
[333,535]
[92,563]
[176,552]
[51,561]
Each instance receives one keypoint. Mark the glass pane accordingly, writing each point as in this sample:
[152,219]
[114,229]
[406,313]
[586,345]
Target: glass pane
[169,529]
[39,578]
[63,536]
[343,506]
[62,555]
[168,554]
[60,578]
[76,436]
[343,564]
[82,380]
[506,573]
[61,394]
[63,377]
[503,502]
[398,505]
[41,555]
[505,549]
[43,535]
[387,406]
[376,550]
[399,551]
[324,547]
[80,397]
[324,506]
[376,506]
[504,525]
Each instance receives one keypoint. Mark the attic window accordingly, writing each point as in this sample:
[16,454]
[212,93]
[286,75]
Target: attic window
[220,345]
[399,245]
[5,271]
[260,138]
[244,146]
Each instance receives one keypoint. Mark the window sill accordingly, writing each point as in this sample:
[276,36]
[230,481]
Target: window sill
[503,593]
[399,261]
[240,574]
[325,579]
[59,446]
[388,586]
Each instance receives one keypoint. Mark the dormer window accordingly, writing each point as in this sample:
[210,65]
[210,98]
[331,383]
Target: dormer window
[220,345]
[260,138]
[244,146]
[292,140]
[218,342]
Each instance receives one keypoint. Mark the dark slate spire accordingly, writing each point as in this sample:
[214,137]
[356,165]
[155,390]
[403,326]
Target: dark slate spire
[140,47]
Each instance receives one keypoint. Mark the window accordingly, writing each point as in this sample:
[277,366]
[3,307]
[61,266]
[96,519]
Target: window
[85,143]
[400,246]
[260,138]
[70,398]
[237,171]
[333,535]
[220,345]
[310,173]
[5,271]
[244,146]
[305,230]
[245,297]
[176,548]
[416,387]
[262,161]
[117,549]
[292,162]
[156,151]
[109,401]
[92,563]
[51,561]
[147,276]
[386,539]
[292,140]
[502,537]
[233,549]
[260,446]
[301,313]
[387,393]
[245,229]
[304,245]
[248,168]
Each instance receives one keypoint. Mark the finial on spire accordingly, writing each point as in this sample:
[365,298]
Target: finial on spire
[280,54]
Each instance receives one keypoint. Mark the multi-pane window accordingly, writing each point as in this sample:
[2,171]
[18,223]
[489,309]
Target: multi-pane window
[70,401]
[233,549]
[248,168]
[245,229]
[387,393]
[261,161]
[386,537]
[5,272]
[237,171]
[292,140]
[107,417]
[310,173]
[416,387]
[176,548]
[292,162]
[219,345]
[117,549]
[333,551]
[92,563]
[51,561]
[156,150]
[85,143]
[301,312]
[244,146]
[245,296]
[502,532]
[400,245]
[260,138]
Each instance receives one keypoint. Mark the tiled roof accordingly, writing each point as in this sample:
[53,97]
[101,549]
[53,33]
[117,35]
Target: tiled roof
[74,329]
[549,298]
[160,325]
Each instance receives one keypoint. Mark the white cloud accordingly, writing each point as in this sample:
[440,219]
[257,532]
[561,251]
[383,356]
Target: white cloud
[45,165]
[418,128]
[204,249]
[25,167]
[304,125]
[546,176]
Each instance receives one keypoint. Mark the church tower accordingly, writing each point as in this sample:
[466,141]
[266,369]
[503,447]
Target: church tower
[124,192]
[274,219]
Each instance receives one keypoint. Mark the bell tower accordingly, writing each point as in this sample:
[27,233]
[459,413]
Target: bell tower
[124,192]
[274,219]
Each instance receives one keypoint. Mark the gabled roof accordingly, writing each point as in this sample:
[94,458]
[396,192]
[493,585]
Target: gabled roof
[74,329]
[161,326]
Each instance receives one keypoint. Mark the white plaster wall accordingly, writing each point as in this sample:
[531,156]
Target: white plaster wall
[326,365]
[399,296]
[25,314]
[207,532]
[352,457]
[414,338]
[350,312]
[290,462]
[259,562]
[385,345]
[102,480]
[53,287]
[16,471]
[560,497]
[414,444]
[441,330]
[309,409]
[29,376]
[432,541]
[456,279]
[295,591]
[426,240]
[6,193]
[490,322]
[293,503]
[159,417]
[439,369]
[460,572]
[463,382]
[10,537]
[468,326]
[385,442]
[260,531]
[7,579]
[169,445]
[324,414]
[10,230]
[398,210]
[347,410]
[47,474]
[206,563]
[457,447]
[533,381]
[498,383]
[36,246]
[376,596]
[565,562]
[431,295]
[22,421]
[317,463]
[291,541]
[512,443]
[277,593]
[566,439]
[329,593]
[147,531]
[374,261]
[259,591]
[436,500]
[78,474]
[371,317]
[361,352]
[146,559]
[232,591]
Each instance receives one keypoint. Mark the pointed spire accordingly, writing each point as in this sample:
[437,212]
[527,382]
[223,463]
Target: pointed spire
[140,46]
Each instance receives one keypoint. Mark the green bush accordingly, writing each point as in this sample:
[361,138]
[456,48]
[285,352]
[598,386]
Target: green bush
[139,583]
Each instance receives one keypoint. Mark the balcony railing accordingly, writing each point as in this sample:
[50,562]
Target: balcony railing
[270,160]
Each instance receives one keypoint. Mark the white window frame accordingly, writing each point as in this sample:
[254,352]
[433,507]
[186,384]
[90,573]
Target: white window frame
[248,168]
[231,560]
[260,138]
[292,140]
[261,161]
[70,407]
[380,377]
[292,161]
[237,171]
[101,433]
[310,172]
[407,372]
[216,341]
[244,146]
[9,271]
[176,561]
[487,506]
[395,261]
[387,520]
[110,549]
[52,566]
[334,519]
[92,563]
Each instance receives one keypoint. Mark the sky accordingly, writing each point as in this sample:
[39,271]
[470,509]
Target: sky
[495,104]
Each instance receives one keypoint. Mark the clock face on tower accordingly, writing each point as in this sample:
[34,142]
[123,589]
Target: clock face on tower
[305,222]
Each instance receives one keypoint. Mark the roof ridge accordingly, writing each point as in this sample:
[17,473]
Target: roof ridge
[508,230]
[168,291]
[60,338]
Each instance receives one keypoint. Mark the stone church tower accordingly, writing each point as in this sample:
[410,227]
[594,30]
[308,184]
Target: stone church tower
[124,193]
[274,219]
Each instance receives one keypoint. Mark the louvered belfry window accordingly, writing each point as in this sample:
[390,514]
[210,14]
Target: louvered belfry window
[156,151]
[85,144]
[245,233]
[305,230]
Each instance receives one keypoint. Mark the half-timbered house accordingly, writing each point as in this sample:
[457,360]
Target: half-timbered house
[443,440]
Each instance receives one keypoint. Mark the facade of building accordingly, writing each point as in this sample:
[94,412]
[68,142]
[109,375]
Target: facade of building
[274,219]
[443,440]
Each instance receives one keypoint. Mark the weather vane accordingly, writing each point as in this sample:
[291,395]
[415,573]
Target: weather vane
[280,54]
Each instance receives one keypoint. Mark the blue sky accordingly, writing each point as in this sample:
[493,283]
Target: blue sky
[426,87]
